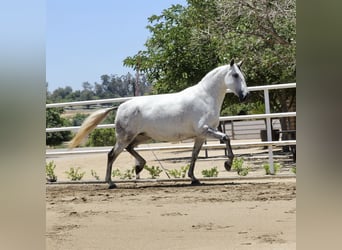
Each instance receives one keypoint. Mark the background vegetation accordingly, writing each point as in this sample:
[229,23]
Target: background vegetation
[186,42]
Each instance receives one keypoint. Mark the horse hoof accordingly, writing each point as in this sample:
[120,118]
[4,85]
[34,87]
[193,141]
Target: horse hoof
[195,182]
[112,186]
[228,165]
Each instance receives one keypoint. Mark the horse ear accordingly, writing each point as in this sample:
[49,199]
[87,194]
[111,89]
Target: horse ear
[240,63]
[232,63]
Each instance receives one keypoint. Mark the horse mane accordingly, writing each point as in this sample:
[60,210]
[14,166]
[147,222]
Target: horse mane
[212,74]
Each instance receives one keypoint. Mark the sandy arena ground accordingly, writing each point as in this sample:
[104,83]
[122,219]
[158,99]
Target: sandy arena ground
[228,214]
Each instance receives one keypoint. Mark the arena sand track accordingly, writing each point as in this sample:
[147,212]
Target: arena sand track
[215,215]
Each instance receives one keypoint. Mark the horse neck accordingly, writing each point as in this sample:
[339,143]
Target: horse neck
[213,85]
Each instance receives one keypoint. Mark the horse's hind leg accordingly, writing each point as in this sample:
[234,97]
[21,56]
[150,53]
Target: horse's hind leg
[140,162]
[225,138]
[197,147]
[112,155]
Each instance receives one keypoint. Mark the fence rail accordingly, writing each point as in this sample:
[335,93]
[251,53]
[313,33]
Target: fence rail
[123,99]
[267,116]
[223,118]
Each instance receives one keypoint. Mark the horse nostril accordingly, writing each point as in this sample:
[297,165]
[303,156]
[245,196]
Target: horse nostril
[243,97]
[246,96]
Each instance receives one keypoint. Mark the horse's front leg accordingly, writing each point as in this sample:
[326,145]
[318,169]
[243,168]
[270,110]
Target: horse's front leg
[197,147]
[225,138]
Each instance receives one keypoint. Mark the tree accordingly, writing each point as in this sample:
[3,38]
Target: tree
[173,60]
[102,137]
[53,120]
[187,42]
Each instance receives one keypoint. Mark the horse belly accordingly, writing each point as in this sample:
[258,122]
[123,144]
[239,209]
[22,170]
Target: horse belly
[168,130]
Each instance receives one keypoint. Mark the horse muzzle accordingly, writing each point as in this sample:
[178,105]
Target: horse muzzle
[243,96]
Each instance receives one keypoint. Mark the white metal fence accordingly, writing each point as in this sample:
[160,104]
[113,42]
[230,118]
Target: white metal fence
[266,116]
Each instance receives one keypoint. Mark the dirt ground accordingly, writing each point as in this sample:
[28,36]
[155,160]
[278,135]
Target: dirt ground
[226,214]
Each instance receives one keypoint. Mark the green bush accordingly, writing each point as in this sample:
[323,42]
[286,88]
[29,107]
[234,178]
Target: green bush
[54,120]
[276,167]
[154,171]
[238,167]
[78,119]
[102,137]
[213,172]
[94,174]
[128,174]
[74,175]
[175,173]
[50,171]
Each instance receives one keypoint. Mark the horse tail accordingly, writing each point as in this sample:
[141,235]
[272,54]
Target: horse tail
[88,125]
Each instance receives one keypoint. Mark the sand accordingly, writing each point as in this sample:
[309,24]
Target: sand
[225,214]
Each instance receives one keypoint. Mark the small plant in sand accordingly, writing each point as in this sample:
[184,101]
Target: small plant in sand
[238,167]
[50,171]
[175,173]
[276,167]
[74,174]
[154,171]
[213,172]
[94,174]
[128,174]
[116,173]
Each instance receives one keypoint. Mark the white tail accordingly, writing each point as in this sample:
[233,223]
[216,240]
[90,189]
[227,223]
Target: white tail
[88,125]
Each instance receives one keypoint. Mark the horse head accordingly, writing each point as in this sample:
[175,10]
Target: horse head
[235,80]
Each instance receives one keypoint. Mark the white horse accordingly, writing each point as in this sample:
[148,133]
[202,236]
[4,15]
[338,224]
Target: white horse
[191,113]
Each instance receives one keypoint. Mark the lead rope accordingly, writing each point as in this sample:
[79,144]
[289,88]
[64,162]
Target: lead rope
[160,163]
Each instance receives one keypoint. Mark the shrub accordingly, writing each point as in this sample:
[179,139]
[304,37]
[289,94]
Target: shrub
[179,173]
[276,167]
[128,174]
[102,137]
[74,175]
[50,171]
[54,119]
[213,172]
[116,173]
[238,167]
[78,119]
[294,170]
[154,171]
[94,174]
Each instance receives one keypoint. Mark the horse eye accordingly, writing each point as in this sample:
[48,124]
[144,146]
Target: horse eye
[235,75]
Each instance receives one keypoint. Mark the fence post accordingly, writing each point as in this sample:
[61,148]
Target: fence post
[269,130]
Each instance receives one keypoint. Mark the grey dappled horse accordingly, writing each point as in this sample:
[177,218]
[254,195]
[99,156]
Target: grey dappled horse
[191,113]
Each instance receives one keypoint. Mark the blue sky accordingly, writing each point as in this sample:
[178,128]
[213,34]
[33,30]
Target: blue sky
[86,38]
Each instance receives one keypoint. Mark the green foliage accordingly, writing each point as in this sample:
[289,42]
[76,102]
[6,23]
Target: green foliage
[50,171]
[174,57]
[246,108]
[102,137]
[154,171]
[294,170]
[238,167]
[54,120]
[74,174]
[78,119]
[128,174]
[99,137]
[175,173]
[111,86]
[94,174]
[116,173]
[212,172]
[187,42]
[276,168]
